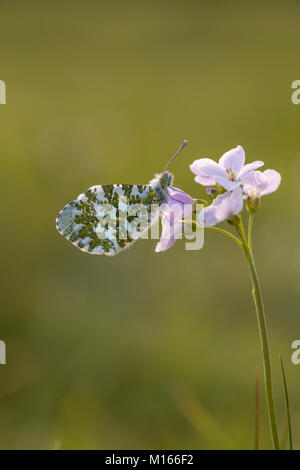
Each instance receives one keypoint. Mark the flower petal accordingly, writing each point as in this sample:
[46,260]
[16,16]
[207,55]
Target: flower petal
[227,184]
[249,167]
[204,179]
[164,244]
[170,233]
[201,177]
[222,207]
[254,183]
[176,195]
[209,173]
[233,159]
[210,168]
[207,217]
[178,207]
[273,181]
[237,201]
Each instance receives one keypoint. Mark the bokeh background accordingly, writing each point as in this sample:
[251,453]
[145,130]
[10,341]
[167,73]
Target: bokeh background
[143,350]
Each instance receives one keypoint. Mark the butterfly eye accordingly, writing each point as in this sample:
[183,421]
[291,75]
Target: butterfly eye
[166,178]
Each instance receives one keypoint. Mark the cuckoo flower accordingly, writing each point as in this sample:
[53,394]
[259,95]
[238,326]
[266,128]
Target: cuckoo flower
[229,172]
[241,182]
[225,205]
[179,205]
[257,183]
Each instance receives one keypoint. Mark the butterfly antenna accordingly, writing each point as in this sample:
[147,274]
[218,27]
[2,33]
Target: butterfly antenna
[175,155]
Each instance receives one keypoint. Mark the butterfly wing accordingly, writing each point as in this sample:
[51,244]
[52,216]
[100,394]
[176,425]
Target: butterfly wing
[108,219]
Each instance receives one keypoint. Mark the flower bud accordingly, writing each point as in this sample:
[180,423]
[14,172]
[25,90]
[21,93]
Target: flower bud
[212,193]
[234,220]
[253,204]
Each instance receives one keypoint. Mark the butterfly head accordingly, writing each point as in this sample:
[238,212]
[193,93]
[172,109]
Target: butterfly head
[162,182]
[166,179]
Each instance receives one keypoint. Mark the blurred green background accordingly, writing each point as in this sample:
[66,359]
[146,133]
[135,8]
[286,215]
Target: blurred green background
[143,350]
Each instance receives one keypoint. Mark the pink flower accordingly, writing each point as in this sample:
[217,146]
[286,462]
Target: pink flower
[257,183]
[225,205]
[179,206]
[229,172]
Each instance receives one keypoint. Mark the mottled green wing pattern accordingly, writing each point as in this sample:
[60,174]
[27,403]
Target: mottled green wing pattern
[88,224]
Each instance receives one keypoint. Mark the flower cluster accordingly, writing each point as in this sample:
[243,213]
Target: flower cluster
[230,182]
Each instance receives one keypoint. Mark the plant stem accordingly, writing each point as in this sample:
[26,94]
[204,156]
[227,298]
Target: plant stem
[250,222]
[257,296]
[257,400]
[225,232]
[216,229]
[287,405]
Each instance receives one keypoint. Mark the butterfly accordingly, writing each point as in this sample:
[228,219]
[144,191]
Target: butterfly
[107,219]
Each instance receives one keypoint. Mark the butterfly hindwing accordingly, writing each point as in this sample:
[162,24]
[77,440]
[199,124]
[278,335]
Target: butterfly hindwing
[106,219]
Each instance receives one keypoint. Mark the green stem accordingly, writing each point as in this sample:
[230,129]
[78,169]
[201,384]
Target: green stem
[250,231]
[257,400]
[228,234]
[256,292]
[287,405]
[217,229]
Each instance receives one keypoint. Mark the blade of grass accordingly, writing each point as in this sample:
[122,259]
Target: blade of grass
[284,436]
[287,405]
[257,402]
[200,418]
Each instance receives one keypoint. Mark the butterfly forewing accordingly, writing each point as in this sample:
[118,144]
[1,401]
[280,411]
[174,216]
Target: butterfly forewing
[108,219]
